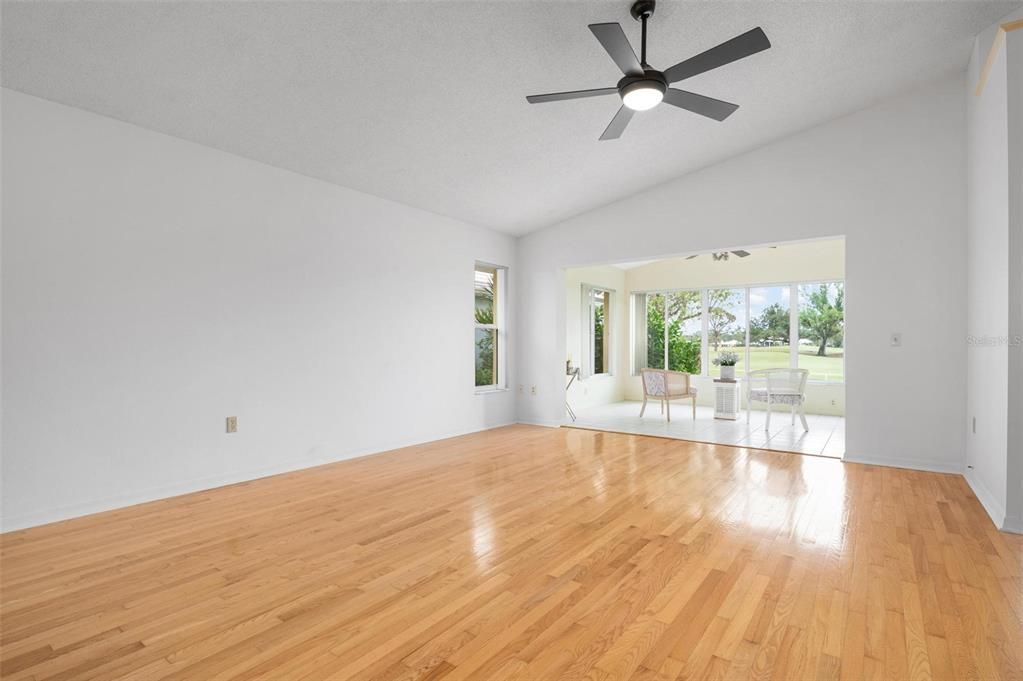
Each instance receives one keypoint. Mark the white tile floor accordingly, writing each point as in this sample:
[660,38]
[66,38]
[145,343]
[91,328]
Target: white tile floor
[825,438]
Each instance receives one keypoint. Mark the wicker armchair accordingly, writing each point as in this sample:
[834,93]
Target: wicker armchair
[664,386]
[778,386]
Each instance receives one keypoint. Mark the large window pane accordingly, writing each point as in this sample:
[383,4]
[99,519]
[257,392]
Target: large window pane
[486,356]
[655,331]
[684,331]
[822,330]
[600,307]
[769,328]
[726,326]
[486,291]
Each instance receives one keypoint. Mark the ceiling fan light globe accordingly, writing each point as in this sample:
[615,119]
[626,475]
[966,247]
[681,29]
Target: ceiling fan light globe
[643,98]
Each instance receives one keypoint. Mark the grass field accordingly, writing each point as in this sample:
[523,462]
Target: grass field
[829,368]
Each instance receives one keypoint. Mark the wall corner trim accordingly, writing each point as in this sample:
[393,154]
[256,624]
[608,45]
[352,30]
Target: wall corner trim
[987,500]
[992,53]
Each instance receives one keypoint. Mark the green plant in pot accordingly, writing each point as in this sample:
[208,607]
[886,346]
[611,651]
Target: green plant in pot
[727,361]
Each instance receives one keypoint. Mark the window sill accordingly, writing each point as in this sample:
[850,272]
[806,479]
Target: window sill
[490,389]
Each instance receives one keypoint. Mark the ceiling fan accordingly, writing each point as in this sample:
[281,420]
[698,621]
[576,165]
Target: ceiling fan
[644,87]
[721,255]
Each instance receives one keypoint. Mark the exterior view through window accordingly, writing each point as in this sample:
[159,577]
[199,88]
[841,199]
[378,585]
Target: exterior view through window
[798,325]
[487,336]
[600,310]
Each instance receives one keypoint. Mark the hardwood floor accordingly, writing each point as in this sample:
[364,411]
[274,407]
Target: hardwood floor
[528,553]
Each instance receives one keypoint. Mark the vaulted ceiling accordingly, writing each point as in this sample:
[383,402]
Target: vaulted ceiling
[424,102]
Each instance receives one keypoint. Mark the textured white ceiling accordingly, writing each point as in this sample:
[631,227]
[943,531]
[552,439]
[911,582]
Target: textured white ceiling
[424,102]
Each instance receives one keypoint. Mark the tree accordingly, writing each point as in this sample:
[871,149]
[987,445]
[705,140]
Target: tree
[655,331]
[719,316]
[683,353]
[684,305]
[771,325]
[822,314]
[484,337]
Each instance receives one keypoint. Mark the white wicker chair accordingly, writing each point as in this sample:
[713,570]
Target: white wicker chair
[665,386]
[778,386]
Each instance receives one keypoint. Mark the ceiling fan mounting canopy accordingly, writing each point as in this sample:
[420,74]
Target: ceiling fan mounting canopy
[644,87]
[643,9]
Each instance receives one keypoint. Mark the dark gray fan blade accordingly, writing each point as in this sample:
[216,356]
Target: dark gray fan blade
[741,254]
[575,94]
[693,256]
[612,37]
[738,47]
[617,125]
[705,106]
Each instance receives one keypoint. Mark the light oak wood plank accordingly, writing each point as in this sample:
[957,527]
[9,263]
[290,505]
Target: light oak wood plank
[527,554]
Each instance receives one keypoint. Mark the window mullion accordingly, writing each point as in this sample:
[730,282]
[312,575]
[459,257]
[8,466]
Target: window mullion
[794,326]
[704,340]
[746,360]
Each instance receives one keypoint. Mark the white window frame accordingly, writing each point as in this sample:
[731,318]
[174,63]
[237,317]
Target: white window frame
[637,326]
[499,325]
[588,331]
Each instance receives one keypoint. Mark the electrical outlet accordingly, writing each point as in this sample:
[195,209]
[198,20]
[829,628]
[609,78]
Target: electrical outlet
[232,424]
[896,339]
[532,390]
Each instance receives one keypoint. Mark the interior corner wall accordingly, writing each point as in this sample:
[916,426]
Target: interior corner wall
[987,279]
[152,287]
[892,180]
[1014,455]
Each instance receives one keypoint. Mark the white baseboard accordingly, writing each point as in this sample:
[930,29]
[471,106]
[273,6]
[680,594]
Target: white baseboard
[900,462]
[987,499]
[1014,525]
[53,515]
[545,424]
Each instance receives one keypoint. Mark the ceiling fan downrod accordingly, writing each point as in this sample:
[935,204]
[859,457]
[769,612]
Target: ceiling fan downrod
[641,11]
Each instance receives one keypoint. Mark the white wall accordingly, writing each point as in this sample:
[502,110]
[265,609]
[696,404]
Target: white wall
[152,287]
[987,279]
[891,179]
[1014,499]
[587,391]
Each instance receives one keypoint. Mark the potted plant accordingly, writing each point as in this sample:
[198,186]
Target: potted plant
[727,361]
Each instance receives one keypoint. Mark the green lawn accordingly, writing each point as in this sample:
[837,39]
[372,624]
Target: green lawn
[829,368]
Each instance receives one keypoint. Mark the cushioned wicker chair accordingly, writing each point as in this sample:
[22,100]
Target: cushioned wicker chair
[778,386]
[664,386]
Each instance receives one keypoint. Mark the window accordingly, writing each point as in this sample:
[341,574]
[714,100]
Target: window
[598,311]
[684,331]
[489,314]
[769,328]
[726,326]
[822,330]
[787,325]
[668,331]
[600,320]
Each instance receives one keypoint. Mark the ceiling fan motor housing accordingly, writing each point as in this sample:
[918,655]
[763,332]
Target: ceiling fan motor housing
[633,89]
[650,79]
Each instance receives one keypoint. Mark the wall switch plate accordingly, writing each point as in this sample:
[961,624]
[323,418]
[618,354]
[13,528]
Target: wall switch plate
[232,424]
[896,340]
